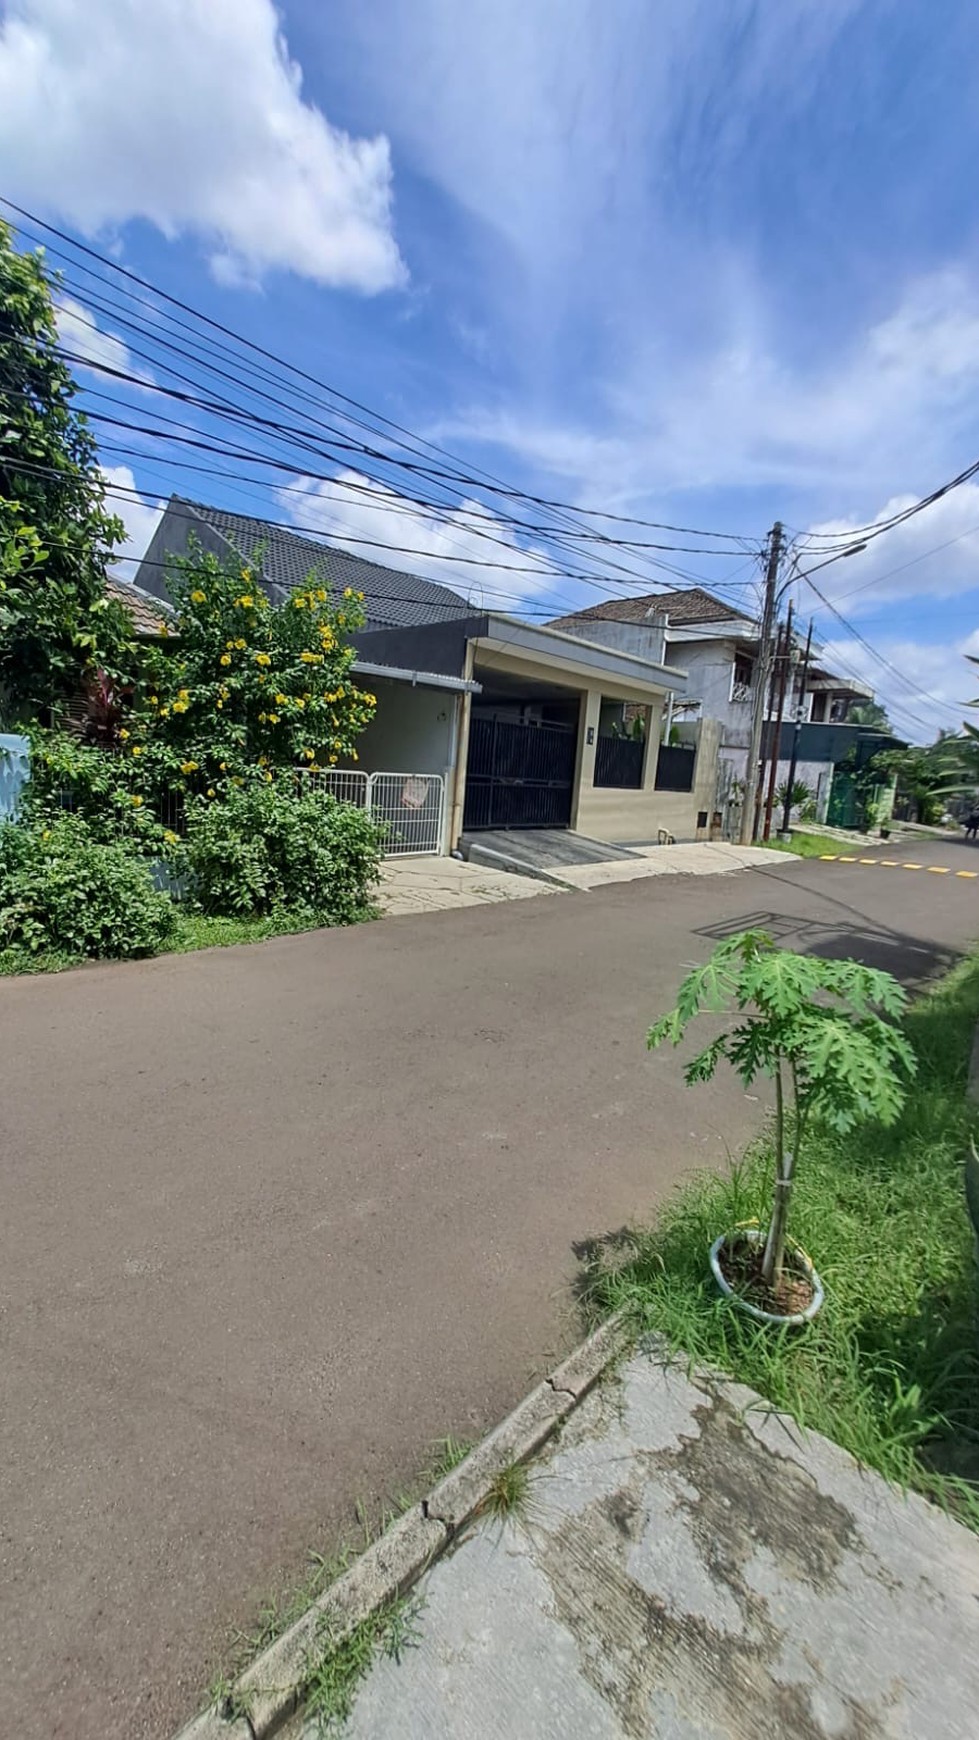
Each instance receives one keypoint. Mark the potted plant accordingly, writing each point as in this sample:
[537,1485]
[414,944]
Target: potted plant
[823,1030]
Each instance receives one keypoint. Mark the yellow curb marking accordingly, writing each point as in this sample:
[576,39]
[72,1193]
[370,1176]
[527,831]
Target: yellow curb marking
[848,860]
[911,866]
[938,869]
[972,874]
[892,864]
[867,860]
[830,858]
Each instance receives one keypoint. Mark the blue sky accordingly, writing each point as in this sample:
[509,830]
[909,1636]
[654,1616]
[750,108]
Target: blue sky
[698,261]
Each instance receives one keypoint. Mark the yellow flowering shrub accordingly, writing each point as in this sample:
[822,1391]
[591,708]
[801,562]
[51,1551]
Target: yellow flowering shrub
[244,687]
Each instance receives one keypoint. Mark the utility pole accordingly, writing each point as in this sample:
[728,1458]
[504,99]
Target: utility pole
[776,736]
[797,733]
[763,668]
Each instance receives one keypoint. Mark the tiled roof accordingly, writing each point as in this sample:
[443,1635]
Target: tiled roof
[148,614]
[392,597]
[692,604]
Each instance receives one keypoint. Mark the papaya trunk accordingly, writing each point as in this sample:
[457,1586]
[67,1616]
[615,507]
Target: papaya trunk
[774,1253]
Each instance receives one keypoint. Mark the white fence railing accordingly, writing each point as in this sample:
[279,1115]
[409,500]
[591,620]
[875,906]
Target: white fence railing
[409,806]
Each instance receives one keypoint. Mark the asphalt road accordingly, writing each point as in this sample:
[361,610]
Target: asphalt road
[276,1218]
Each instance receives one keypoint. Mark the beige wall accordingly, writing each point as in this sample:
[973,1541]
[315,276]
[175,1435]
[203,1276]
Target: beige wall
[609,814]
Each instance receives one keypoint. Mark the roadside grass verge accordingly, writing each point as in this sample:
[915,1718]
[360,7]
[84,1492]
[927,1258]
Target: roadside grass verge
[194,931]
[890,1367]
[808,845]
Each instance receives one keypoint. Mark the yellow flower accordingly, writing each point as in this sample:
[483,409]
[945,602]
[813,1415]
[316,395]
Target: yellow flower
[262,718]
[261,676]
[184,694]
[230,645]
[332,760]
[241,645]
[224,766]
[263,761]
[321,595]
[164,631]
[300,703]
[246,602]
[274,718]
[197,597]
[220,706]
[188,767]
[136,749]
[268,779]
[123,734]
[311,658]
[210,791]
[262,659]
[309,754]
[299,601]
[348,592]
[246,573]
[225,659]
[170,836]
[314,767]
[180,706]
[164,712]
[136,802]
[354,756]
[154,700]
[280,700]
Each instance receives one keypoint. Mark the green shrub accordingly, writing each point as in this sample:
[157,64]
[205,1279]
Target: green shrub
[72,777]
[64,891]
[264,847]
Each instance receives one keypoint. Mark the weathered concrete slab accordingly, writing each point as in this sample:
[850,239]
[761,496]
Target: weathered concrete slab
[691,1568]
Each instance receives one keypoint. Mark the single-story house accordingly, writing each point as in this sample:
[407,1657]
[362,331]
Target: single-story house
[519,723]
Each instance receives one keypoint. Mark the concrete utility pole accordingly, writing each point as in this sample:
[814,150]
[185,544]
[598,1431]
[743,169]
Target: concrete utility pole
[797,732]
[776,729]
[763,668]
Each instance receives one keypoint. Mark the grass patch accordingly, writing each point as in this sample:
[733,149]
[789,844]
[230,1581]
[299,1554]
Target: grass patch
[197,931]
[336,1670]
[890,1367]
[194,931]
[508,1493]
[807,845]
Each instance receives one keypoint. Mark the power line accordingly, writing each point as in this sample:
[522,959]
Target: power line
[934,700]
[486,479]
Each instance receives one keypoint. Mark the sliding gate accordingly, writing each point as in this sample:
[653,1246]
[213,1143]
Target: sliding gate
[519,774]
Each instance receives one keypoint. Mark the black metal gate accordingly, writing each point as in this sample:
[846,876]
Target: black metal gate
[519,774]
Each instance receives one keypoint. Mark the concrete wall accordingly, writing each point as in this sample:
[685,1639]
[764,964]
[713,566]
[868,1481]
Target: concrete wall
[710,665]
[622,816]
[412,730]
[642,640]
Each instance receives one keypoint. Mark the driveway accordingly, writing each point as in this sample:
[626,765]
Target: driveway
[276,1218]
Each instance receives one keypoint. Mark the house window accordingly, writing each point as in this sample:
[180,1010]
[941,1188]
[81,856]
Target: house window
[741,677]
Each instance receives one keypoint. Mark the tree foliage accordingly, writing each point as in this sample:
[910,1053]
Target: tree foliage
[823,1030]
[57,625]
[239,688]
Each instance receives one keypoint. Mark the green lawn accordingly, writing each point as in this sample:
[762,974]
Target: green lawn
[890,1367]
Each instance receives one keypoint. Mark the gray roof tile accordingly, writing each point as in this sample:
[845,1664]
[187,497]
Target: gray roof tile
[392,597]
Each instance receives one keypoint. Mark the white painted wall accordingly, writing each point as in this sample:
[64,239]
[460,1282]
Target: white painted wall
[411,732]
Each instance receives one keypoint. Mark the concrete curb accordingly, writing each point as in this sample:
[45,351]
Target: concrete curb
[272,1688]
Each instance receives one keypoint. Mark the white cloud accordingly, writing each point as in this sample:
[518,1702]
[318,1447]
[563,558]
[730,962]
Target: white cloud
[384,527]
[189,114]
[81,335]
[934,554]
[140,517]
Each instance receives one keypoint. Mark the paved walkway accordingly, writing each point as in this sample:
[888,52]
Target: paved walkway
[688,1567]
[411,885]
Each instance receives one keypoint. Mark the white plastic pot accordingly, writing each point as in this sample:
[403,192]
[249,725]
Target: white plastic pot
[753,1235]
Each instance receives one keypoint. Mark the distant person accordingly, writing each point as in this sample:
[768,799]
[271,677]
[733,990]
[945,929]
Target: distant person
[972,825]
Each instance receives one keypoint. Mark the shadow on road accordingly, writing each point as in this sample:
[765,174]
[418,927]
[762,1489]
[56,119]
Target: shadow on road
[909,958]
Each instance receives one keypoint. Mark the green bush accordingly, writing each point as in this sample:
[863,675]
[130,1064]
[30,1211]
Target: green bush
[72,777]
[62,891]
[264,847]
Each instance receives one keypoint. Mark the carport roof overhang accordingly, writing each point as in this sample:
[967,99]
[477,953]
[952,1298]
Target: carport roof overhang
[506,640]
[417,679]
